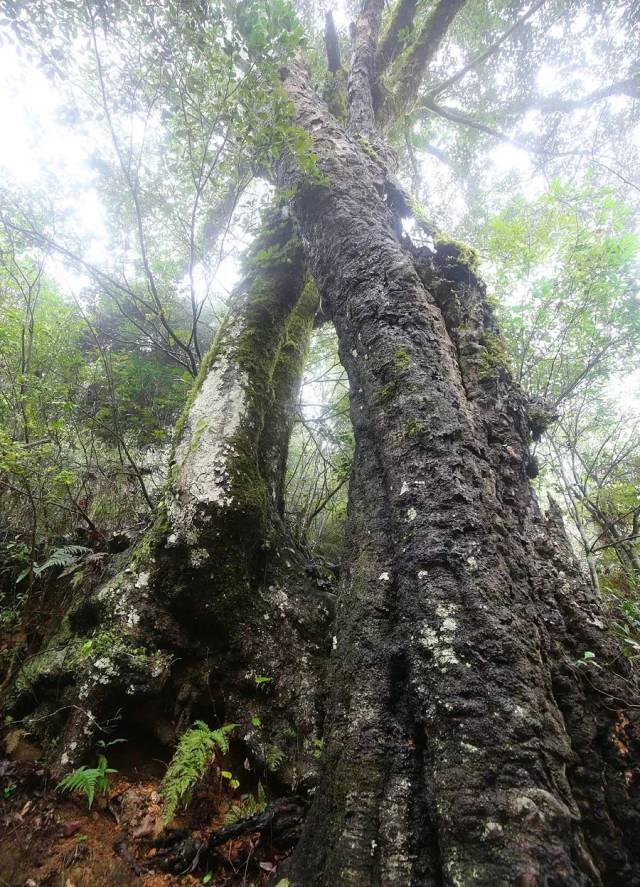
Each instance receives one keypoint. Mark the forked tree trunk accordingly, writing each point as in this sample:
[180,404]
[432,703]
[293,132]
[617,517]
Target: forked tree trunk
[468,742]
[215,595]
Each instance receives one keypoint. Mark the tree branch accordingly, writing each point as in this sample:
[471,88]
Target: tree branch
[133,185]
[417,58]
[491,50]
[392,44]
[331,43]
[629,87]
[456,116]
[360,116]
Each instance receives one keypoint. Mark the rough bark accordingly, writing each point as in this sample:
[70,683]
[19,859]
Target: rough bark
[214,594]
[466,744]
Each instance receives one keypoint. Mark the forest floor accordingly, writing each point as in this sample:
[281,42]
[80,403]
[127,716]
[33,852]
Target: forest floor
[50,839]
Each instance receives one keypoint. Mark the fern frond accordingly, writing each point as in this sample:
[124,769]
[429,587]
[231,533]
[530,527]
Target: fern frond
[273,757]
[62,557]
[190,762]
[248,807]
[220,736]
[88,780]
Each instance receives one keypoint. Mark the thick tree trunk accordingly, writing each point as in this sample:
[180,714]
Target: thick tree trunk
[467,740]
[215,594]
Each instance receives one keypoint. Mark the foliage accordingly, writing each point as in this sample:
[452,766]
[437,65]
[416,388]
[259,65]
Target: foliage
[273,757]
[625,624]
[321,450]
[191,760]
[90,781]
[564,269]
[249,806]
[61,557]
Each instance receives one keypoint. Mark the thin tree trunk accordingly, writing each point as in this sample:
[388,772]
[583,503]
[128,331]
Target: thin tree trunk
[215,595]
[468,741]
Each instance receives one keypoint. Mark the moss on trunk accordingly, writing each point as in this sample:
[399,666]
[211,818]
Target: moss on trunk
[214,593]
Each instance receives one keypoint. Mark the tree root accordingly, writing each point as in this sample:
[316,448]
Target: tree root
[179,853]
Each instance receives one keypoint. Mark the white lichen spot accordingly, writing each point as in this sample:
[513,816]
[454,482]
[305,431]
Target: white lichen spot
[492,829]
[198,556]
[64,759]
[467,746]
[132,618]
[449,624]
[142,581]
[422,574]
[404,488]
[472,563]
[439,642]
[412,514]
[384,577]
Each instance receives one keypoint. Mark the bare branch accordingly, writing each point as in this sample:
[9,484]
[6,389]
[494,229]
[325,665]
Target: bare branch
[135,196]
[456,116]
[629,87]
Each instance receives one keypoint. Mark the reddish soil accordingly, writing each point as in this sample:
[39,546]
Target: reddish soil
[48,839]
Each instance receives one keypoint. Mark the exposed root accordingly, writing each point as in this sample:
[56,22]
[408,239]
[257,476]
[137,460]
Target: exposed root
[180,853]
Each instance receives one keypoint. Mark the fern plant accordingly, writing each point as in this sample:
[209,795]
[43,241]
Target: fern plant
[248,807]
[193,755]
[273,757]
[91,781]
[61,557]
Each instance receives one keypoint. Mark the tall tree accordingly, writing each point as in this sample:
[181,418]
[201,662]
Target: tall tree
[468,741]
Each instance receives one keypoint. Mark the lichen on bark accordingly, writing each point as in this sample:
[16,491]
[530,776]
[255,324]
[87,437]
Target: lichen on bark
[214,593]
[464,744]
